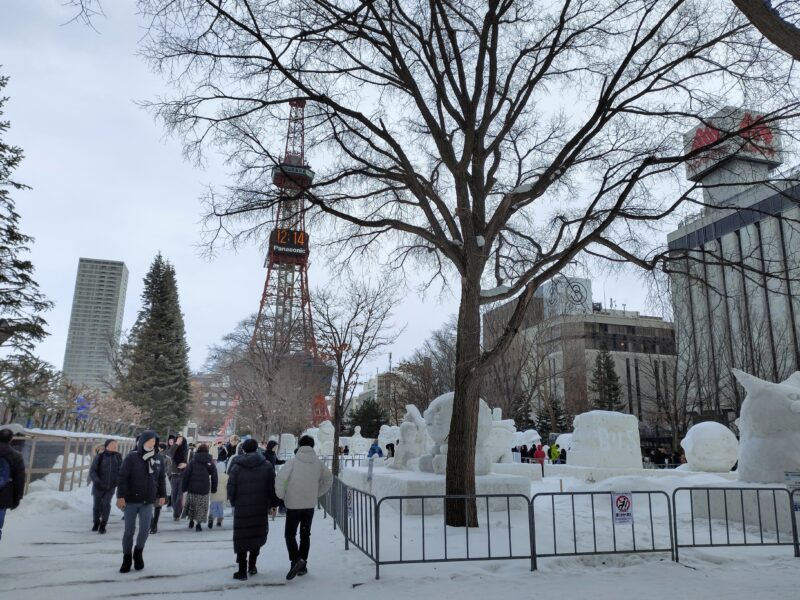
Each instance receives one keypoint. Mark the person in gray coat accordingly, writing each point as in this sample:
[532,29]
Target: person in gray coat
[104,473]
[300,483]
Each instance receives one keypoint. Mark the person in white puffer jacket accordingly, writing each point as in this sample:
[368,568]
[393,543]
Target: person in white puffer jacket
[300,482]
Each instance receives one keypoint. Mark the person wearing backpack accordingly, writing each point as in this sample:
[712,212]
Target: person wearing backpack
[12,476]
[104,473]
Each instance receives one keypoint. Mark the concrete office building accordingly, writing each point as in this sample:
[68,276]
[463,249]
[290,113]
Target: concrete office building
[96,322]
[736,266]
[562,333]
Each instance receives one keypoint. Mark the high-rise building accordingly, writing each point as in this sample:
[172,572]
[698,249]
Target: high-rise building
[735,266]
[96,322]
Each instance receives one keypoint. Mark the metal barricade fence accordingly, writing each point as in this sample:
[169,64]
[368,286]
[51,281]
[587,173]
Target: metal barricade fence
[423,535]
[795,498]
[735,516]
[596,529]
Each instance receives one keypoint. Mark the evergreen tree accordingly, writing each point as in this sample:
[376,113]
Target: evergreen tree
[156,365]
[370,416]
[605,387]
[21,302]
[551,419]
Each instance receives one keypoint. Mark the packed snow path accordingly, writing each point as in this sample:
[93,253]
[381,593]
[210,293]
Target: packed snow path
[47,551]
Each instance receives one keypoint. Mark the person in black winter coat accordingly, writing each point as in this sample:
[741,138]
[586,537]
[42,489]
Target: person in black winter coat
[166,464]
[179,459]
[200,481]
[142,484]
[251,492]
[104,473]
[12,476]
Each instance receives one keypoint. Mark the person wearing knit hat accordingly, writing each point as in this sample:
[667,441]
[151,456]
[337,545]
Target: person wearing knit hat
[251,492]
[142,484]
[103,474]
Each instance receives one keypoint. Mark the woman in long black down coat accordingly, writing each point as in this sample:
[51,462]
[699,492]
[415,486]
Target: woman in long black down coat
[251,492]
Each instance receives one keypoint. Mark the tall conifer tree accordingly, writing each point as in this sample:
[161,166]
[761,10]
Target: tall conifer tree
[21,302]
[157,355]
[605,386]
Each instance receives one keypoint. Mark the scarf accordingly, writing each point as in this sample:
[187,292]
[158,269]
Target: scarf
[148,456]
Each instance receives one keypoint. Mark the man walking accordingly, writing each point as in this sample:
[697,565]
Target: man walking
[12,476]
[142,484]
[300,482]
[104,473]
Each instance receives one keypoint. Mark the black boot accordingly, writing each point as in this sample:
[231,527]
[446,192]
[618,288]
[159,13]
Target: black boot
[296,568]
[241,574]
[138,559]
[102,528]
[252,563]
[154,523]
[96,526]
[219,522]
[198,527]
[191,523]
[127,561]
[211,523]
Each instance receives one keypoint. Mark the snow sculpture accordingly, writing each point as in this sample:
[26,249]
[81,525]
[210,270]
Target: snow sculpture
[710,448]
[437,420]
[324,443]
[406,453]
[605,439]
[769,429]
[501,438]
[414,440]
[386,436]
[564,442]
[531,437]
[358,443]
[287,443]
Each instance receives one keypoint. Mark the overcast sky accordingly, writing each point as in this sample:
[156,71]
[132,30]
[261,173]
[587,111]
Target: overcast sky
[108,184]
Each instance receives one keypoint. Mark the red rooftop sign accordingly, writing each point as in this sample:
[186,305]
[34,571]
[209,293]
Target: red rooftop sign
[731,132]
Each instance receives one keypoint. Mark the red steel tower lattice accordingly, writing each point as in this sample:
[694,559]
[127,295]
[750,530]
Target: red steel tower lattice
[284,313]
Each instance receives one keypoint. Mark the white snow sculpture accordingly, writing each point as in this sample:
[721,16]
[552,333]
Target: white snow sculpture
[406,453]
[501,438]
[324,443]
[437,419]
[385,436]
[605,439]
[358,443]
[710,448]
[288,442]
[769,429]
[312,432]
[564,442]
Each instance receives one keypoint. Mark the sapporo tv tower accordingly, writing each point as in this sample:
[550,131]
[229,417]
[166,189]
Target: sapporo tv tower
[285,308]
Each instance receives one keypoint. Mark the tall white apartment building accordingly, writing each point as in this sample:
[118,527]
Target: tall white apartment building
[96,322]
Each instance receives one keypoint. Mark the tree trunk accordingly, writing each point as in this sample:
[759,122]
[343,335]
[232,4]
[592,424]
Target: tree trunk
[337,426]
[460,476]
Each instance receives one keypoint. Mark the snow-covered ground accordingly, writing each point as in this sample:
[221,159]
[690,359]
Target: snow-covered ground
[47,551]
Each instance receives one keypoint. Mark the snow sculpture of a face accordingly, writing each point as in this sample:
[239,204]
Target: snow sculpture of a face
[770,429]
[710,448]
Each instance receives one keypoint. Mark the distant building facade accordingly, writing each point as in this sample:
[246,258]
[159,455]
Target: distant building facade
[561,336]
[214,397]
[736,266]
[98,305]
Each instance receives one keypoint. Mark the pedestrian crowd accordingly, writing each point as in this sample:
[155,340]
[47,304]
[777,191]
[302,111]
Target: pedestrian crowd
[196,485]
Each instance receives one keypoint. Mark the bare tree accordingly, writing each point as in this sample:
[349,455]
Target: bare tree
[275,388]
[352,325]
[777,21]
[443,139]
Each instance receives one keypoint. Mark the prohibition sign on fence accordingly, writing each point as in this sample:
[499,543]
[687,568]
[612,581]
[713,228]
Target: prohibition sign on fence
[622,505]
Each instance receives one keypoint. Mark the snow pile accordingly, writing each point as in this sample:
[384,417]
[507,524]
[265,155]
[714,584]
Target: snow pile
[605,439]
[710,448]
[770,429]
